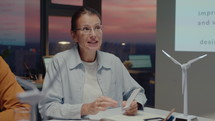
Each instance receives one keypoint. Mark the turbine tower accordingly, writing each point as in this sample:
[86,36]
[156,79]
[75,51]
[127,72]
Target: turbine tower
[184,68]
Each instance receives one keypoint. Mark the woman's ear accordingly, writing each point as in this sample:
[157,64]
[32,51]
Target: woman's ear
[73,36]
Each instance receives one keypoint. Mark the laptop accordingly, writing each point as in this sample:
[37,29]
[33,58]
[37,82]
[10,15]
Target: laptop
[140,61]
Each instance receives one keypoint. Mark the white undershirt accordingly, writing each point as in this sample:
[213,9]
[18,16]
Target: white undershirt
[92,89]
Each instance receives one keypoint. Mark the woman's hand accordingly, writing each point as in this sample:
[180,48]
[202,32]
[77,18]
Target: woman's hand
[132,110]
[100,104]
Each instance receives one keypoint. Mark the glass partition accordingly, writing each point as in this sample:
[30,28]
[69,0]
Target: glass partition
[21,22]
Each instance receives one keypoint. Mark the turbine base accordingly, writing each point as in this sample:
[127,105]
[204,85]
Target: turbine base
[182,117]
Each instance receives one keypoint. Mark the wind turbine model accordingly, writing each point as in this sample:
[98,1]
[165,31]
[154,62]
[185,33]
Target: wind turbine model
[184,68]
[31,97]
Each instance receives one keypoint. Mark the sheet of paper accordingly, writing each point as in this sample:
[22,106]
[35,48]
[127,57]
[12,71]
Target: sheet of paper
[107,113]
[115,114]
[139,117]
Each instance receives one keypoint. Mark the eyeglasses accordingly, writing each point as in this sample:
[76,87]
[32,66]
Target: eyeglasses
[87,30]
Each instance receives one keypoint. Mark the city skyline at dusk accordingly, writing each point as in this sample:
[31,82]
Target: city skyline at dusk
[127,21]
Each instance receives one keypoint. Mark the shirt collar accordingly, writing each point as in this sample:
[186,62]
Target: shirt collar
[103,60]
[74,61]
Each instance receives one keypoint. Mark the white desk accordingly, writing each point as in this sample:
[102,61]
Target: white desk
[163,112]
[115,115]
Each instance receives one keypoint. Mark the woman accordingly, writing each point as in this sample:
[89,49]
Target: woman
[85,80]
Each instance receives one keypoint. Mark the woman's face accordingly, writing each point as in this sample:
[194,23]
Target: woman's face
[89,33]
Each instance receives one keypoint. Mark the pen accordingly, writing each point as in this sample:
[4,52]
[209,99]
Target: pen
[168,116]
[131,98]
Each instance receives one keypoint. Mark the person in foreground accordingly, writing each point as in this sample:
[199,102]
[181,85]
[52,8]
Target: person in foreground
[9,88]
[85,80]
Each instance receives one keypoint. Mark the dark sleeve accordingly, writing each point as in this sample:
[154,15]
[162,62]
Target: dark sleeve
[140,107]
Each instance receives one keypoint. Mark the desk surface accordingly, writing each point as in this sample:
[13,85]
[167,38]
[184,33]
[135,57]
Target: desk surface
[115,115]
[163,112]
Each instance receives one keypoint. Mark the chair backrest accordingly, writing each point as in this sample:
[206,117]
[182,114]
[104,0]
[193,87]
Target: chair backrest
[46,60]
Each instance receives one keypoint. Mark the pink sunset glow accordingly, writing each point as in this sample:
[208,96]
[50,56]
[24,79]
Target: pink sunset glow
[130,20]
[124,21]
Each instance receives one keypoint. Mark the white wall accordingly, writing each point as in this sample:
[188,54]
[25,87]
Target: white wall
[201,81]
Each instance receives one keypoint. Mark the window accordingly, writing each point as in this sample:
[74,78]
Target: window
[69,2]
[59,31]
[23,53]
[130,30]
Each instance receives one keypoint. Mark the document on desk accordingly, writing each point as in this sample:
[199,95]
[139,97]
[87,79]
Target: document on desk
[115,114]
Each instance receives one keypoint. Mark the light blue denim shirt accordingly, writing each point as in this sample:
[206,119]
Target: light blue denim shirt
[64,82]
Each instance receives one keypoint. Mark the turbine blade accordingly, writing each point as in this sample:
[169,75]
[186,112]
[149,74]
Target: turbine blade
[195,59]
[26,83]
[175,61]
